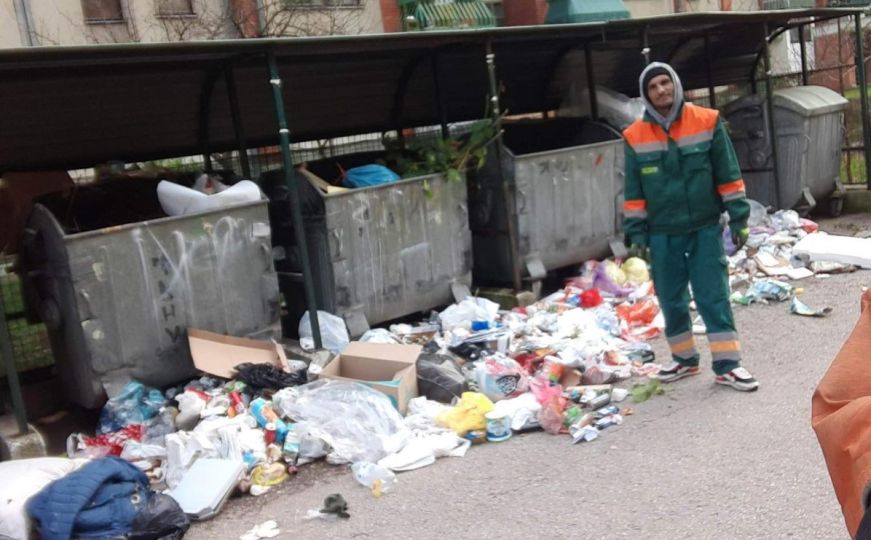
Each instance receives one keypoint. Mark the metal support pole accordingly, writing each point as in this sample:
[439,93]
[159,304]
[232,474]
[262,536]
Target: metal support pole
[293,194]
[863,97]
[205,110]
[712,98]
[591,82]
[769,99]
[803,49]
[645,46]
[230,81]
[11,373]
[507,190]
[440,100]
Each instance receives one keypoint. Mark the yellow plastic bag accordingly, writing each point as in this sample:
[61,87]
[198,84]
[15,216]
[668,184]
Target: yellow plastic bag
[468,414]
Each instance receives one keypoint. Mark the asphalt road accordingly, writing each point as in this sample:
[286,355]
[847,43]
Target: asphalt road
[703,461]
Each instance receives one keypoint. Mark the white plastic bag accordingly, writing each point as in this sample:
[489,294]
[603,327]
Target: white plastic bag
[22,479]
[177,200]
[470,309]
[334,333]
[378,479]
[359,423]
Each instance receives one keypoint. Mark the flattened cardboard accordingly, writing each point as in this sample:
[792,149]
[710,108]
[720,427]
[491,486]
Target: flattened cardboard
[217,354]
[388,368]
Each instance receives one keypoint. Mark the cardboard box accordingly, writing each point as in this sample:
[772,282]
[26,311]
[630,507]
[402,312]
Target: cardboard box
[217,354]
[388,368]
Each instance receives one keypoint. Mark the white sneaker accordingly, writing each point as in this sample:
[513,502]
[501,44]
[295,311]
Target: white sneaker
[739,379]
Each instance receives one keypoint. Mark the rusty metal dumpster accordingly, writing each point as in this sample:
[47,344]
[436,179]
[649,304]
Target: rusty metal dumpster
[377,253]
[568,189]
[118,300]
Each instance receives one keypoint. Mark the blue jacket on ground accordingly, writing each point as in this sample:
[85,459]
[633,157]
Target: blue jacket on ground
[100,499]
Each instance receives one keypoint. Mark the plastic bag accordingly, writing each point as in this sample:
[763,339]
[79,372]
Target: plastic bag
[334,333]
[23,478]
[468,414]
[552,415]
[499,377]
[135,404]
[259,376]
[470,309]
[161,519]
[375,477]
[368,175]
[379,335]
[439,378]
[758,215]
[523,411]
[359,423]
[606,283]
[591,298]
[543,391]
[635,270]
[638,314]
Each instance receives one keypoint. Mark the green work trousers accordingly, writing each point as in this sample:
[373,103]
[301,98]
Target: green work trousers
[696,258]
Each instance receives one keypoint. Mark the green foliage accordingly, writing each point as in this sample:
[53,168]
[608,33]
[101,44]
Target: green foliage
[644,391]
[452,156]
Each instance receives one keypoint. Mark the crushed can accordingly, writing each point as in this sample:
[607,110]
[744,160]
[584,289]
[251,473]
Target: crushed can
[583,433]
[270,431]
[608,410]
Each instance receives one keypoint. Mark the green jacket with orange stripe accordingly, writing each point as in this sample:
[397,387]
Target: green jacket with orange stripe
[682,180]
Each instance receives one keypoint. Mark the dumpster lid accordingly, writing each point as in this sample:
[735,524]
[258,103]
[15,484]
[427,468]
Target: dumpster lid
[810,100]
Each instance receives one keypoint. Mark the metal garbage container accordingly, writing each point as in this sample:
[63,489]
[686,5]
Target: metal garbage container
[377,253]
[118,299]
[809,125]
[567,176]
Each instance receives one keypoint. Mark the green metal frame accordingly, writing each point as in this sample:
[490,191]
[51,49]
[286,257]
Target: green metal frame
[293,194]
[863,96]
[769,99]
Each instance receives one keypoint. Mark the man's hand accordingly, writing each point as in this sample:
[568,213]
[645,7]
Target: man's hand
[740,235]
[640,250]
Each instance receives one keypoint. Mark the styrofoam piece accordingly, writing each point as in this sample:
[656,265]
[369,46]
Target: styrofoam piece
[831,248]
[178,200]
[206,486]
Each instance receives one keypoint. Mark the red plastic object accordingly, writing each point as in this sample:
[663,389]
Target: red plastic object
[809,226]
[591,298]
[638,314]
[115,441]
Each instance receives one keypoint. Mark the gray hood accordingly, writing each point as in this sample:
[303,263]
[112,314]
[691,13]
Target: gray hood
[664,121]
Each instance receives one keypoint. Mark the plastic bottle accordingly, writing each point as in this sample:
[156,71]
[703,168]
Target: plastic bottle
[262,411]
[375,477]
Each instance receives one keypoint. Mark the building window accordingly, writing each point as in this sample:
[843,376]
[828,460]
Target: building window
[102,10]
[175,7]
[323,3]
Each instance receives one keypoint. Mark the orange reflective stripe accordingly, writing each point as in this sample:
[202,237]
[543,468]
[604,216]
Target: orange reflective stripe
[694,120]
[724,346]
[731,187]
[635,204]
[683,346]
[642,132]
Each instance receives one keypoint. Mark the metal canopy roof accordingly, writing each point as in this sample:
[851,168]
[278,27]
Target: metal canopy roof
[72,107]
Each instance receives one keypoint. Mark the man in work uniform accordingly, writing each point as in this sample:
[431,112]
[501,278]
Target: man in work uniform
[681,174]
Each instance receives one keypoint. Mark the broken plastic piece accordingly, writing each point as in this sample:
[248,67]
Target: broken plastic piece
[800,308]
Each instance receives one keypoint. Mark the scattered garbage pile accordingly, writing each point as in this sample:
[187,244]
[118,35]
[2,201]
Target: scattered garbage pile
[395,400]
[784,248]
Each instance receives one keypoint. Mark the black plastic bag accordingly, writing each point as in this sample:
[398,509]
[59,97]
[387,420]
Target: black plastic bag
[161,519]
[439,378]
[259,376]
